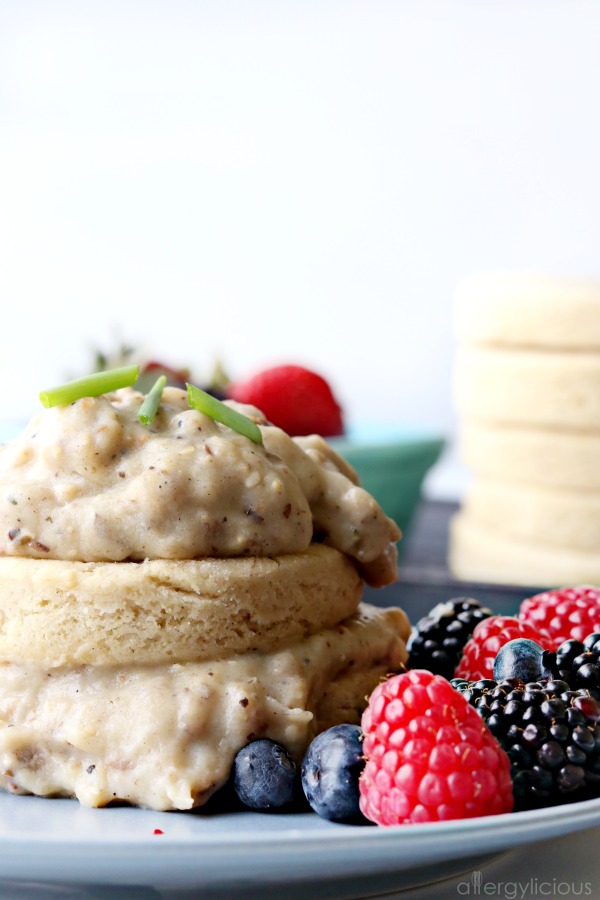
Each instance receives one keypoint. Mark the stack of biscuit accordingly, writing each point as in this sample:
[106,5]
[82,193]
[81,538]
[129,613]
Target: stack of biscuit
[527,390]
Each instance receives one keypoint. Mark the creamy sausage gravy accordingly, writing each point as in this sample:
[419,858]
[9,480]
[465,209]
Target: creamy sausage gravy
[88,482]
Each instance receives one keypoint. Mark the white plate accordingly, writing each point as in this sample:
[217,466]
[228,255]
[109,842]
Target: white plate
[57,848]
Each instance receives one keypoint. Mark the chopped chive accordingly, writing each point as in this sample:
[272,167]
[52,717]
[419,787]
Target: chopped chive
[90,386]
[149,407]
[210,406]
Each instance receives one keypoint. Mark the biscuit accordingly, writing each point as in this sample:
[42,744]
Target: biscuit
[568,519]
[547,389]
[528,310]
[165,736]
[553,458]
[485,554]
[57,613]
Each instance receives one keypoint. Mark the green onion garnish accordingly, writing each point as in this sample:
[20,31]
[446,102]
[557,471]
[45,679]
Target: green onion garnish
[210,406]
[90,386]
[149,407]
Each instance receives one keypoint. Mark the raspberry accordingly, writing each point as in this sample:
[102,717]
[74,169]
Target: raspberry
[293,398]
[569,613]
[429,756]
[492,633]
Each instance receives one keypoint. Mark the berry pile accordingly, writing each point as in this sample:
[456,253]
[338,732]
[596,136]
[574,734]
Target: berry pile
[495,713]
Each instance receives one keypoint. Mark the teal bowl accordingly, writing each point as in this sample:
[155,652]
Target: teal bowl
[391,465]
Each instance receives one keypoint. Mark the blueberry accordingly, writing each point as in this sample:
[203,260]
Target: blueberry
[264,775]
[330,773]
[522,659]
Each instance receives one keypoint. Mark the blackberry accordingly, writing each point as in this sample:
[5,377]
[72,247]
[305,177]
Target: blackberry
[578,663]
[550,734]
[438,639]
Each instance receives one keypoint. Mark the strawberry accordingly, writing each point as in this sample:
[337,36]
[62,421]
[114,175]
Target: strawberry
[294,398]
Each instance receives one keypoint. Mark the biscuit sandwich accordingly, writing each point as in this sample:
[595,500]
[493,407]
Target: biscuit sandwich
[174,585]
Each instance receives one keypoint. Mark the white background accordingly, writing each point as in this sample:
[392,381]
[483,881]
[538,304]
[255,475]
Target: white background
[299,181]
